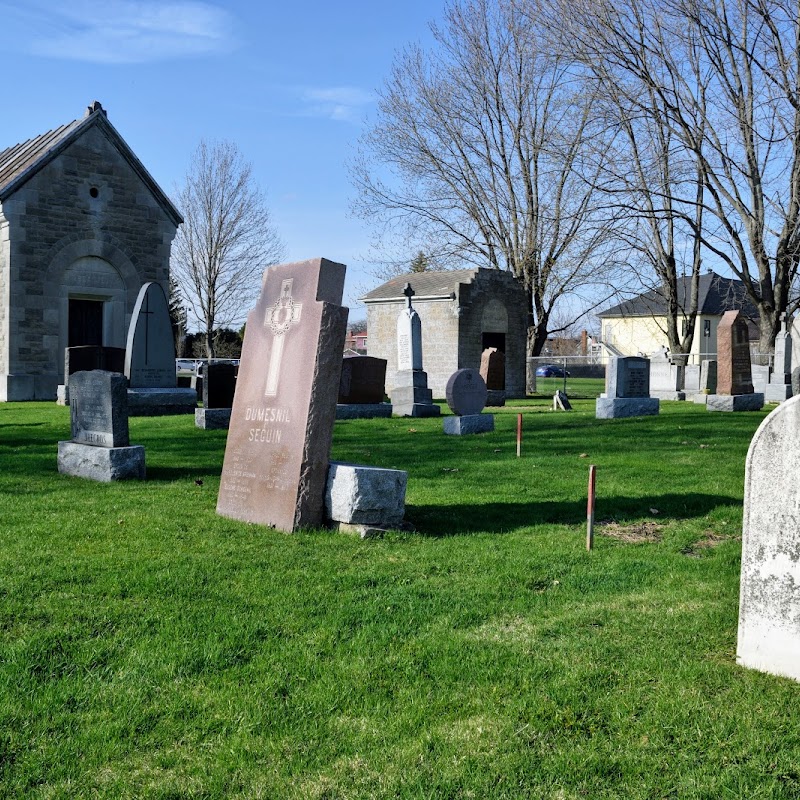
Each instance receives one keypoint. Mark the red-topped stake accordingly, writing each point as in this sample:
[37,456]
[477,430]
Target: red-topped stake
[590,508]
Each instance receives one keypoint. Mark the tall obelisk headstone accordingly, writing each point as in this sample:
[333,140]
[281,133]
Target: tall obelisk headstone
[279,440]
[769,606]
[734,377]
[411,396]
[779,387]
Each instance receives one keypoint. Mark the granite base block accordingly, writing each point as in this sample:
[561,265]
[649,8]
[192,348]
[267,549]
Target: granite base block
[700,398]
[406,395]
[212,419]
[777,392]
[161,402]
[735,402]
[663,394]
[620,407]
[363,410]
[362,495]
[468,423]
[415,410]
[103,464]
[495,397]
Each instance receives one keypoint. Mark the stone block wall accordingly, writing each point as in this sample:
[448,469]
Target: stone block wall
[439,339]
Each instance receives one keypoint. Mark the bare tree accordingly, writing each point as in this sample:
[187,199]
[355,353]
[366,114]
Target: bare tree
[480,146]
[724,74]
[226,241]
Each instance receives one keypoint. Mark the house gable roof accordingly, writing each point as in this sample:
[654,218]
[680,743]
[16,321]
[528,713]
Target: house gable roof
[21,161]
[715,296]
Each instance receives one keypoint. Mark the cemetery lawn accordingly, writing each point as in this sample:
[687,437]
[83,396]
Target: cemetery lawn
[151,649]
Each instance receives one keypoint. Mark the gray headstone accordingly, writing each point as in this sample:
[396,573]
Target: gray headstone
[627,376]
[691,378]
[279,440]
[466,392]
[708,376]
[409,336]
[99,409]
[769,607]
[760,377]
[561,402]
[150,349]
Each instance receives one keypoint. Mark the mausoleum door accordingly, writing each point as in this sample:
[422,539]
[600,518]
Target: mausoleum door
[85,322]
[497,340]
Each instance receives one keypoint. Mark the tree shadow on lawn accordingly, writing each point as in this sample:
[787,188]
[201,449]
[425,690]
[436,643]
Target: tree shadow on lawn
[457,520]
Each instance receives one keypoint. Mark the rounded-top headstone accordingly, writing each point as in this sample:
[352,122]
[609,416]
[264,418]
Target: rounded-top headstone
[466,392]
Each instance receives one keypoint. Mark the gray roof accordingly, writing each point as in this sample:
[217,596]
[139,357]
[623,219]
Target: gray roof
[715,296]
[424,284]
[20,162]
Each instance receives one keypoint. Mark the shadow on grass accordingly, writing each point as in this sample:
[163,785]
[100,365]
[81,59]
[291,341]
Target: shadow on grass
[457,520]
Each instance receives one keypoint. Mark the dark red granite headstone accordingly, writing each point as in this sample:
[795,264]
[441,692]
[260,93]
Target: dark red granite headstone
[733,355]
[279,440]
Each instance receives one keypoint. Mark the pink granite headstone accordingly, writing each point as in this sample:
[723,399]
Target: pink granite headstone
[279,440]
[733,355]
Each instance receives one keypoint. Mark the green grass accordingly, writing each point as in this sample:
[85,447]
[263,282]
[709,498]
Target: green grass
[151,649]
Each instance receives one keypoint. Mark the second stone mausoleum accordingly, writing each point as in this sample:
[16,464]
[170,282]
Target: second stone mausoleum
[83,226]
[462,313]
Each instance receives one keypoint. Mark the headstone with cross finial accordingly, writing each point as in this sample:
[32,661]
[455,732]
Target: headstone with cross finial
[281,427]
[411,396]
[779,387]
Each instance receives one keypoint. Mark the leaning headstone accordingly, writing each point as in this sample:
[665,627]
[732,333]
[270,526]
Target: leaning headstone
[493,372]
[561,402]
[100,449]
[666,378]
[779,387]
[411,396]
[627,389]
[769,607]
[276,458]
[86,358]
[150,359]
[219,387]
[734,377]
[365,500]
[362,389]
[466,396]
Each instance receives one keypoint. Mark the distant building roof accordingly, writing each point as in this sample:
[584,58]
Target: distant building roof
[21,161]
[439,284]
[715,296]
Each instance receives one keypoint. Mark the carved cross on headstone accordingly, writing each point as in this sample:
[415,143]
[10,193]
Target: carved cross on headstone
[279,318]
[146,313]
[409,293]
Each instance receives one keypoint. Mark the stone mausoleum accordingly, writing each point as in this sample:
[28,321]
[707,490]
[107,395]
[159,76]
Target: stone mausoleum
[462,313]
[82,226]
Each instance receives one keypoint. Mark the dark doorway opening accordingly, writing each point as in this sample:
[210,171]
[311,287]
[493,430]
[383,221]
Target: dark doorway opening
[85,322]
[497,340]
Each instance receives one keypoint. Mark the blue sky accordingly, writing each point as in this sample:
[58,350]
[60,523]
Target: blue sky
[290,83]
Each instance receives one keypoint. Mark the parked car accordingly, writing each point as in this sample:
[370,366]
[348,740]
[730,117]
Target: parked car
[551,371]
